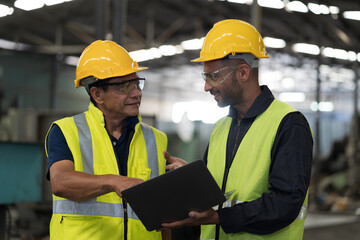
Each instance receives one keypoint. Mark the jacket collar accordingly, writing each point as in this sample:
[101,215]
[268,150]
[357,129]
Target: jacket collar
[261,103]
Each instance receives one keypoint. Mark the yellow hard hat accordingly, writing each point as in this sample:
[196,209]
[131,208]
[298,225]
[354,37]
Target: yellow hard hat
[231,36]
[104,59]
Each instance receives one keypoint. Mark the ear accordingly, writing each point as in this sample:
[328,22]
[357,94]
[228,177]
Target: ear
[243,72]
[95,93]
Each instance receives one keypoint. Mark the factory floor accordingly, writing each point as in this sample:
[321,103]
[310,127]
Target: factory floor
[330,226]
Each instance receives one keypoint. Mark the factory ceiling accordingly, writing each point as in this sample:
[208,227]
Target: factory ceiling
[141,24]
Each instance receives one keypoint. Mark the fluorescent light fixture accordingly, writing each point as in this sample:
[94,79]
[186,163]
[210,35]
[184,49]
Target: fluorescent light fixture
[274,42]
[341,54]
[315,8]
[5,44]
[288,83]
[358,57]
[192,44]
[296,6]
[306,48]
[277,4]
[198,111]
[248,2]
[145,54]
[328,52]
[353,15]
[169,50]
[29,5]
[5,10]
[71,60]
[334,10]
[322,107]
[324,9]
[338,53]
[292,97]
[352,56]
[53,2]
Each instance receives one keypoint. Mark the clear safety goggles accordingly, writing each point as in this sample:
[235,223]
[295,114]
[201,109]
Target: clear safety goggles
[126,86]
[216,78]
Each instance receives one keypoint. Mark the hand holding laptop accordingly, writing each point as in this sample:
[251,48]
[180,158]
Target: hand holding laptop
[175,194]
[209,216]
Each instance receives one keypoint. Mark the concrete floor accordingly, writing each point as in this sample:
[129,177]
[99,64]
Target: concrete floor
[332,227]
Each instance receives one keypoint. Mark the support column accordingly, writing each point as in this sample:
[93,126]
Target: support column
[100,23]
[120,16]
[150,24]
[256,16]
[354,161]
[317,153]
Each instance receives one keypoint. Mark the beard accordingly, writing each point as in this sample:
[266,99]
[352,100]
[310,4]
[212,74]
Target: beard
[229,95]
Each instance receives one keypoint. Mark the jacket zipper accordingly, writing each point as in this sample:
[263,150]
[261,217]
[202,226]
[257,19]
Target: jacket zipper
[125,219]
[226,174]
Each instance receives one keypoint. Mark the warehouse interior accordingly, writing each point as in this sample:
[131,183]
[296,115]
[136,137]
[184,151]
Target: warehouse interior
[314,66]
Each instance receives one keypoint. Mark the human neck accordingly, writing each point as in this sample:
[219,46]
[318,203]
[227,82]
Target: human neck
[115,126]
[247,101]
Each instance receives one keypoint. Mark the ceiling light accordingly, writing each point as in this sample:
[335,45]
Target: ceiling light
[28,5]
[192,44]
[169,50]
[248,2]
[71,60]
[53,2]
[296,6]
[277,4]
[306,48]
[322,107]
[353,15]
[5,44]
[315,8]
[324,9]
[5,10]
[341,54]
[274,42]
[292,97]
[352,56]
[328,52]
[338,53]
[334,10]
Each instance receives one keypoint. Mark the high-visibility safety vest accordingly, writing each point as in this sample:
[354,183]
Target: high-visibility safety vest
[249,173]
[105,217]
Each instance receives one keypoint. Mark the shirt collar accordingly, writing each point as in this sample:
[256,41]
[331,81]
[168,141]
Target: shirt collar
[261,103]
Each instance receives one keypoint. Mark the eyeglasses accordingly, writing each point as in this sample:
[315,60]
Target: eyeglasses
[215,78]
[128,85]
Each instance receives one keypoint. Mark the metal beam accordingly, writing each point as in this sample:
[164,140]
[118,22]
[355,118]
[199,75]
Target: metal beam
[170,30]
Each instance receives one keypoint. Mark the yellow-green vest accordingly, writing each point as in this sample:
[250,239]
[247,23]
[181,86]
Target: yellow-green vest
[249,172]
[93,153]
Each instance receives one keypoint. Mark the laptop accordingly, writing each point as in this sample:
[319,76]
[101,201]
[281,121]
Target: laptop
[171,196]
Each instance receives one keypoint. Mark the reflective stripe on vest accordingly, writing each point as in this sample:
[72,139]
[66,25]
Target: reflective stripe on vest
[92,207]
[230,203]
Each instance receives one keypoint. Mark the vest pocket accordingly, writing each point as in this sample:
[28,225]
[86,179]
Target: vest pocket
[140,172]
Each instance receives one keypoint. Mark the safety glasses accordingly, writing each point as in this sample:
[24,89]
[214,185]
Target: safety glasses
[127,86]
[215,78]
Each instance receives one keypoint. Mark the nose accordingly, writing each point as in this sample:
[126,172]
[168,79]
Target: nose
[207,87]
[135,92]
